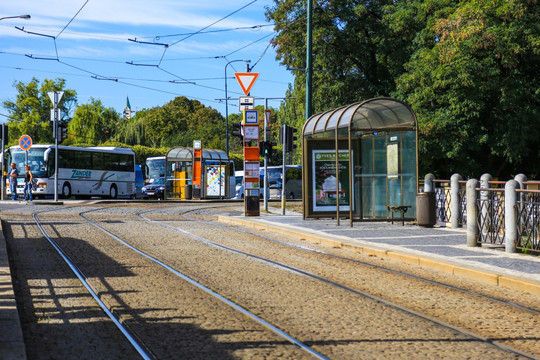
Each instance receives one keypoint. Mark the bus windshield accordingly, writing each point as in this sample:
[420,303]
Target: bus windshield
[155,168]
[36,160]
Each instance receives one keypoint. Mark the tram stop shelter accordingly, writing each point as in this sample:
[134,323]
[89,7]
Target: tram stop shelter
[203,174]
[373,144]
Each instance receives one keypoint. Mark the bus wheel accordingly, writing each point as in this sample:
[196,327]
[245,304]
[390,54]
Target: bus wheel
[114,191]
[66,190]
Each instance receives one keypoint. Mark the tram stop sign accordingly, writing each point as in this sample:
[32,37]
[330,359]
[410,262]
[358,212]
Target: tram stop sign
[25,142]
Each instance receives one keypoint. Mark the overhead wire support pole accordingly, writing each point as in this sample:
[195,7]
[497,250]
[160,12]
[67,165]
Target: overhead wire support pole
[309,55]
[227,106]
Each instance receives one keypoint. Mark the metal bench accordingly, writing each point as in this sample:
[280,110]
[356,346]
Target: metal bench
[401,208]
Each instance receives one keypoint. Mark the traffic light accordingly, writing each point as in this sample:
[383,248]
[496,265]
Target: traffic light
[291,138]
[238,132]
[286,136]
[5,137]
[271,151]
[263,148]
[62,132]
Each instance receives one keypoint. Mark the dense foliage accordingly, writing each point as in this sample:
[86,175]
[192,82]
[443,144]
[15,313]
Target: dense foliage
[468,69]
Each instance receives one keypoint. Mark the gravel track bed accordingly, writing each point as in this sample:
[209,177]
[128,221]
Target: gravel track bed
[176,319]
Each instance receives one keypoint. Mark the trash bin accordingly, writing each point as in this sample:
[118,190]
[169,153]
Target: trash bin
[188,191]
[426,209]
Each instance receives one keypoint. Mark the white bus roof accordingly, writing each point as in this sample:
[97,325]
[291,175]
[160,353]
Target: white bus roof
[93,148]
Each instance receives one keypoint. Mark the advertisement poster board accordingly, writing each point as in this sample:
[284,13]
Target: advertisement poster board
[326,190]
[215,180]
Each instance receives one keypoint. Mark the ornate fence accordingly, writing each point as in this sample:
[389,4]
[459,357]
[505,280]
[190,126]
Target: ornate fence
[519,230]
[528,236]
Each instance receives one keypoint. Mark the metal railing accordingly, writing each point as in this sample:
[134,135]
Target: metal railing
[442,200]
[491,216]
[519,230]
[528,230]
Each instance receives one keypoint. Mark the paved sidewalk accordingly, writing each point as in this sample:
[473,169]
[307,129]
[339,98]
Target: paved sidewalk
[437,248]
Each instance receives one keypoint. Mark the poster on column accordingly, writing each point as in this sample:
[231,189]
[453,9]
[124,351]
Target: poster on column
[215,180]
[326,189]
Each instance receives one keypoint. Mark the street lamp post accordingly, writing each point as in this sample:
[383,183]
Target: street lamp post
[26,17]
[2,179]
[227,107]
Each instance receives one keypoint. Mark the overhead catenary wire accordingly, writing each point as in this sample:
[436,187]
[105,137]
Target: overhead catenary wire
[96,75]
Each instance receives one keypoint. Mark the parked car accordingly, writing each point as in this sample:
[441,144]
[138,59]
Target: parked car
[154,190]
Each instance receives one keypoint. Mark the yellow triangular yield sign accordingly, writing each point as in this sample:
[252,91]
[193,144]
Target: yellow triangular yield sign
[246,80]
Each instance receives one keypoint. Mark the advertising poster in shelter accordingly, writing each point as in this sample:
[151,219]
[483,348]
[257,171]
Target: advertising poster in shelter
[215,180]
[326,188]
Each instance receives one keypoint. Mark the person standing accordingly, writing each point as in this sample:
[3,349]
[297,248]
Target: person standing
[28,183]
[13,174]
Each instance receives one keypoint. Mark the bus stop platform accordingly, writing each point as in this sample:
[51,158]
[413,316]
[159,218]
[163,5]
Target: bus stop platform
[439,248]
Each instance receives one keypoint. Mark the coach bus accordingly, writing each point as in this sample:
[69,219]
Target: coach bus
[93,171]
[154,169]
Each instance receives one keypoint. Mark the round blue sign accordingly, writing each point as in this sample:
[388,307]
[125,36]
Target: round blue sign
[25,142]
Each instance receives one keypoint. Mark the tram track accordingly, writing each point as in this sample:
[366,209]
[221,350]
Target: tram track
[361,293]
[183,219]
[144,349]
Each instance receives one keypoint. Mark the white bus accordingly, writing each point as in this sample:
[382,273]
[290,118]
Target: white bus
[154,169]
[94,171]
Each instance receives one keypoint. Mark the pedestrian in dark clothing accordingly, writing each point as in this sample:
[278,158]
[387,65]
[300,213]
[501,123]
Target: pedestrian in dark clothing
[28,183]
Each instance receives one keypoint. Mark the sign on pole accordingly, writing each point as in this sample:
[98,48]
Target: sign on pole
[25,142]
[251,117]
[246,80]
[55,96]
[246,103]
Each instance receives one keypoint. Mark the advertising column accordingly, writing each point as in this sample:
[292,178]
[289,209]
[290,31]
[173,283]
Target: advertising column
[252,190]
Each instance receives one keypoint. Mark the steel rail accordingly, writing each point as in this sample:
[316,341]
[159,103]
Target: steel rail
[138,347]
[346,288]
[209,291]
[380,267]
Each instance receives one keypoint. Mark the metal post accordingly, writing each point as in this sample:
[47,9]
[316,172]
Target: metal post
[309,56]
[3,196]
[472,213]
[455,201]
[510,216]
[56,161]
[265,189]
[284,132]
[227,107]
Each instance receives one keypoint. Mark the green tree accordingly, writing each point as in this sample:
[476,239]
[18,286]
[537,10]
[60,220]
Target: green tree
[30,113]
[473,83]
[352,44]
[92,124]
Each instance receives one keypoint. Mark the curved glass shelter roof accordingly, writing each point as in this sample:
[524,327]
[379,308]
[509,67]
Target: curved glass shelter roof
[186,154]
[375,114]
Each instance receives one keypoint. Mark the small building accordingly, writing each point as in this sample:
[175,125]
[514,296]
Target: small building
[189,176]
[362,156]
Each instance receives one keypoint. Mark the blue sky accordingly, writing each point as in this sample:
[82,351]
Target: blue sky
[92,51]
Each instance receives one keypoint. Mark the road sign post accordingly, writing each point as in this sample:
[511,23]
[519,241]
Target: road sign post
[55,97]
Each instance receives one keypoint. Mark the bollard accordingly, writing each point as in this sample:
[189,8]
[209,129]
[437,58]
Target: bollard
[472,213]
[428,183]
[455,203]
[510,216]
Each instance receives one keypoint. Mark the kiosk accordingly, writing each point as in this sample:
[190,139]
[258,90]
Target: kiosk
[198,174]
[364,157]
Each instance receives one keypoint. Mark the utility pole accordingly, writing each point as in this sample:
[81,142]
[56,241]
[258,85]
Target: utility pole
[309,55]
[55,97]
